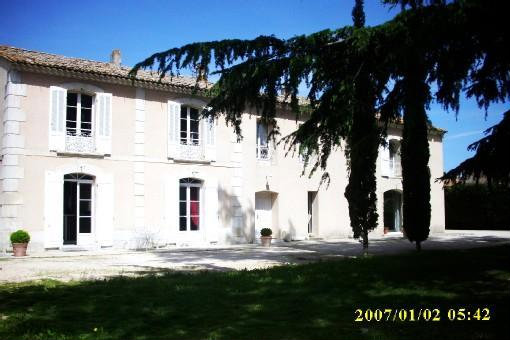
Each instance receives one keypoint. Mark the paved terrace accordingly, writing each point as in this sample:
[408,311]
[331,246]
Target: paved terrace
[86,265]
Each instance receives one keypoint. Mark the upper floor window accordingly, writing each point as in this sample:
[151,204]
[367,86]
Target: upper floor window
[394,164]
[79,114]
[190,138]
[190,126]
[80,119]
[262,141]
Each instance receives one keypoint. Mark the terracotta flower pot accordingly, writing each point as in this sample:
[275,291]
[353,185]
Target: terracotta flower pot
[266,241]
[19,249]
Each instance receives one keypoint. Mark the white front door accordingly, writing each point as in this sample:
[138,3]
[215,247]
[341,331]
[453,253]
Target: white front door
[263,213]
[78,210]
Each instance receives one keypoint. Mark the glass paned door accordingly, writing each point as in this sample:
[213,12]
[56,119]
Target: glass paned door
[85,208]
[191,228]
[189,205]
[70,209]
[78,209]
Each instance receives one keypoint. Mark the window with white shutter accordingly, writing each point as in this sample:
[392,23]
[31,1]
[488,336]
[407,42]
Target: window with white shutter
[57,118]
[263,151]
[80,119]
[104,123]
[384,154]
[210,138]
[174,110]
[395,169]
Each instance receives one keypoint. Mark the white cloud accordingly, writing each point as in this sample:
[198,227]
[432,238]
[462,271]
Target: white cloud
[464,134]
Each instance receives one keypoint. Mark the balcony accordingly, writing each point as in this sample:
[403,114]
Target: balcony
[191,152]
[80,142]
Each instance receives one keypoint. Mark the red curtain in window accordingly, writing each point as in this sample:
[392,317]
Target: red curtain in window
[194,210]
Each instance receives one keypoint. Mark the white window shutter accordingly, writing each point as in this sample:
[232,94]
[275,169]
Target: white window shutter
[57,135]
[53,210]
[174,111]
[211,209]
[103,116]
[171,209]
[209,138]
[104,211]
[384,154]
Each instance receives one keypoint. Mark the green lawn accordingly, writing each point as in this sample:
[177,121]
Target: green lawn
[314,301]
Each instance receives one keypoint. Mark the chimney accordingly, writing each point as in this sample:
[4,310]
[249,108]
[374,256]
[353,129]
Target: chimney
[200,74]
[115,58]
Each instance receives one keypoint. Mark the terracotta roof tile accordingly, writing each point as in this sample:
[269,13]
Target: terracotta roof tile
[27,57]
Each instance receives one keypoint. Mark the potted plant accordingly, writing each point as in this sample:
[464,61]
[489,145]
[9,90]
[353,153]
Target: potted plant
[265,237]
[19,240]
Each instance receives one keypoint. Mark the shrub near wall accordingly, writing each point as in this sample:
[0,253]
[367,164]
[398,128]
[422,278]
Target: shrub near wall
[474,206]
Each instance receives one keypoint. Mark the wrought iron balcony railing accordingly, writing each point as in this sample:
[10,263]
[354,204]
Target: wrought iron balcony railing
[263,152]
[80,142]
[191,152]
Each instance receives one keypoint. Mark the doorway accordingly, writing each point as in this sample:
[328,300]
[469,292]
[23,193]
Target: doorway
[190,210]
[393,210]
[312,212]
[78,209]
[263,212]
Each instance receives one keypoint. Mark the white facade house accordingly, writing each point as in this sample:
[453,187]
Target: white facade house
[91,159]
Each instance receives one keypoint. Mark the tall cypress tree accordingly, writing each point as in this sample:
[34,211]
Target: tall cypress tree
[415,155]
[414,65]
[362,144]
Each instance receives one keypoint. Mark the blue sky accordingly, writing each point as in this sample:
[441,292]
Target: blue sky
[91,29]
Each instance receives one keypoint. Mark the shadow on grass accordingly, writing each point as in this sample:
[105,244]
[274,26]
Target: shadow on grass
[312,301]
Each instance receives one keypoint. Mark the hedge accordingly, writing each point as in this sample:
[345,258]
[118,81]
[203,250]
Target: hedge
[475,206]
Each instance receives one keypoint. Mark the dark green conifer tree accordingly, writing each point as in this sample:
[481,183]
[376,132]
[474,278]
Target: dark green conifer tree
[362,141]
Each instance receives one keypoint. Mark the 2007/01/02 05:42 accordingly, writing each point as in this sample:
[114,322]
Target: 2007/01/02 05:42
[421,314]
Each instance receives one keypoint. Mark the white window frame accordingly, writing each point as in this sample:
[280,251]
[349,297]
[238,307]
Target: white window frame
[190,141]
[78,129]
[263,151]
[395,164]
[188,201]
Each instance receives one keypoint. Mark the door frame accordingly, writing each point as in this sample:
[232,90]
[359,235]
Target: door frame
[393,200]
[269,197]
[312,212]
[188,235]
[82,239]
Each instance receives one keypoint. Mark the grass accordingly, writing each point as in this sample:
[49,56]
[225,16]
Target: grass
[313,301]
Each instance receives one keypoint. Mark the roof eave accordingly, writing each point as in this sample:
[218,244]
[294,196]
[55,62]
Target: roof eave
[105,78]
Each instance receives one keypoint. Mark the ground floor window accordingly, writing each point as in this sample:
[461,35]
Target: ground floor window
[78,203]
[189,204]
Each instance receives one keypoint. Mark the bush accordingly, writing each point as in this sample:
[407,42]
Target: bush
[471,206]
[266,232]
[20,236]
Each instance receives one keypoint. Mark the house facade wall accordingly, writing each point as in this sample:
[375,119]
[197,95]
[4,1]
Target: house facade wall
[137,184]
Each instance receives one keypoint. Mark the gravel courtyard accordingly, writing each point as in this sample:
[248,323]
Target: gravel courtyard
[105,263]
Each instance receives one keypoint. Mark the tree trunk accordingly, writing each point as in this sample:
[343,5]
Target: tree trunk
[365,242]
[418,245]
